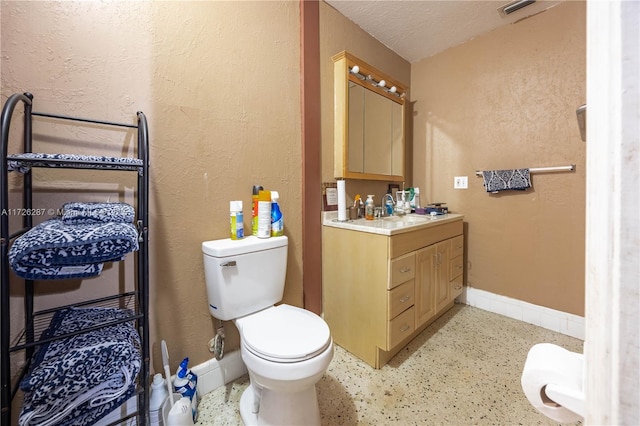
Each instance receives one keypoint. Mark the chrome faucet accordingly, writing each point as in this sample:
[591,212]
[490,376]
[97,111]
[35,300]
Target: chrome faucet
[384,206]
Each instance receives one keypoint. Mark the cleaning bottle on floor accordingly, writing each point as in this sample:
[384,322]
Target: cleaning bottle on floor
[159,394]
[185,384]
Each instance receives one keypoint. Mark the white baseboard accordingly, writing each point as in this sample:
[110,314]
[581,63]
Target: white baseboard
[551,319]
[215,373]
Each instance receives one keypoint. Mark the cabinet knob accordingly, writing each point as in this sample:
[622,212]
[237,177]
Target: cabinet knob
[405,328]
[405,270]
[404,299]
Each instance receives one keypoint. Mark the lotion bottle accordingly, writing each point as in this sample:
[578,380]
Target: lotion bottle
[369,208]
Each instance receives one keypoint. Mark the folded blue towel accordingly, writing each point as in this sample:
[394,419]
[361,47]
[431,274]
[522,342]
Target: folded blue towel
[502,180]
[81,213]
[78,380]
[55,250]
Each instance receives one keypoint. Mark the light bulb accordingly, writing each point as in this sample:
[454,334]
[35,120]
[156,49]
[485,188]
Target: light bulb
[382,83]
[393,89]
[355,69]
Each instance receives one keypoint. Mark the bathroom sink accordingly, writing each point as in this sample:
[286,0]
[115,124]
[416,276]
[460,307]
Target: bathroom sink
[390,225]
[406,219]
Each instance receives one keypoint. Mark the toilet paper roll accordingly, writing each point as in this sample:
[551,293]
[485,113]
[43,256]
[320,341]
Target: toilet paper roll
[550,364]
[342,201]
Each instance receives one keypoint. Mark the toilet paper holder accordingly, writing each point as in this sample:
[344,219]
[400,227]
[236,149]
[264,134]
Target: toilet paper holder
[553,382]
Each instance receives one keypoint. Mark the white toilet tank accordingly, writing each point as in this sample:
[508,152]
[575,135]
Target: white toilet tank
[244,276]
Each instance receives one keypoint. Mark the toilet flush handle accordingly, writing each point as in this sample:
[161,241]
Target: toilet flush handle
[228,264]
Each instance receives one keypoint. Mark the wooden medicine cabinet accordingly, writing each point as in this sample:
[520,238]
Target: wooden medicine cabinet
[369,121]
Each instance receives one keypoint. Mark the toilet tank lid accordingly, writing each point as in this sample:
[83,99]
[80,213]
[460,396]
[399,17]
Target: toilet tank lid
[228,247]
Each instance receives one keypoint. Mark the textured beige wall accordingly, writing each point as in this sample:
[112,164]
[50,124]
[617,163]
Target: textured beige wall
[337,33]
[507,100]
[220,84]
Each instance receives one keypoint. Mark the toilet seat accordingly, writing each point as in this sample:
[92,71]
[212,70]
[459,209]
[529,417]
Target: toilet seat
[285,334]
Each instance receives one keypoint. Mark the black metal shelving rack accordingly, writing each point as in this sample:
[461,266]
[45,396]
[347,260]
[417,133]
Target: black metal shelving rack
[33,321]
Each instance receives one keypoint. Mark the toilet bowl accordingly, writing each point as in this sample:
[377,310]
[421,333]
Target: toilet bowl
[286,349]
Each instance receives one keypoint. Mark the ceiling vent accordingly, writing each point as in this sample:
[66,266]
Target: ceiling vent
[514,6]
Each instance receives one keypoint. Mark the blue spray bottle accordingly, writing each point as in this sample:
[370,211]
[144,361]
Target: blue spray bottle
[277,221]
[185,384]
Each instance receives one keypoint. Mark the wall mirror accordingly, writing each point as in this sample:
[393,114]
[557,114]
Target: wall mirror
[369,122]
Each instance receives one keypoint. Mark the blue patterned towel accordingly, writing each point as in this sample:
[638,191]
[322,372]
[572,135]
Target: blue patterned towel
[502,180]
[80,213]
[54,250]
[23,162]
[80,379]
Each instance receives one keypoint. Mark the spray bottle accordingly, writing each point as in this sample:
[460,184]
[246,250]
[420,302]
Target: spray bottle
[277,221]
[185,384]
[254,209]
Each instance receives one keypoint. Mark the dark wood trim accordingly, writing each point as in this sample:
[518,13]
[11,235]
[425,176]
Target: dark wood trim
[311,153]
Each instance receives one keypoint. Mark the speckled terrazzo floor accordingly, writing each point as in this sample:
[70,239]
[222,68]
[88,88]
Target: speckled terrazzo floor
[464,369]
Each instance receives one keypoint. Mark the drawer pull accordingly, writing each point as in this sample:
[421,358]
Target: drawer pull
[404,299]
[405,328]
[404,270]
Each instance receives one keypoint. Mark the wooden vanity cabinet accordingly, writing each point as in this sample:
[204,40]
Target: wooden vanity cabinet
[380,291]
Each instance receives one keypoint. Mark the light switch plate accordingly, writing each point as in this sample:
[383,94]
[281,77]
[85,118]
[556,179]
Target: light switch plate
[460,182]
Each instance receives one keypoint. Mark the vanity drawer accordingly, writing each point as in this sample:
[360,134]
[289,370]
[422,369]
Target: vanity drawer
[402,269]
[401,298]
[401,327]
[457,246]
[455,268]
[456,287]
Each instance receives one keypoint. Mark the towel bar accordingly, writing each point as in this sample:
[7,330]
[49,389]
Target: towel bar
[570,168]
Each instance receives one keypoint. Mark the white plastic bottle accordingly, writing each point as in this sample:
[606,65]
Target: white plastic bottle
[416,198]
[158,395]
[264,214]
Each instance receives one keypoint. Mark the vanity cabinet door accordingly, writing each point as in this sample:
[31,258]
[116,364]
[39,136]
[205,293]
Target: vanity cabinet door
[432,281]
[425,302]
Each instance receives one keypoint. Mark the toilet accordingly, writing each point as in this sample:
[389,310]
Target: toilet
[286,349]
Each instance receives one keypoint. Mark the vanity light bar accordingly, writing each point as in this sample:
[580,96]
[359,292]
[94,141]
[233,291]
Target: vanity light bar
[393,90]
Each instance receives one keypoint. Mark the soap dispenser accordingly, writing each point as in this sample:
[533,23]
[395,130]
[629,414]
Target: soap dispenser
[369,208]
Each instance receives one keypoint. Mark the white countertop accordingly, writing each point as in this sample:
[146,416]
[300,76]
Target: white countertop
[392,225]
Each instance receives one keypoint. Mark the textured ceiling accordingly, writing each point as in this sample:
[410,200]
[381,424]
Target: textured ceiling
[416,29]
